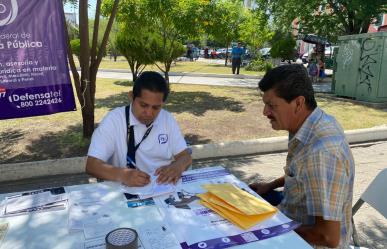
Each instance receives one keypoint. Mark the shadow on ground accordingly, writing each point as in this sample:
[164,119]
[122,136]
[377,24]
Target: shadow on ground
[112,101]
[372,234]
[196,139]
[8,140]
[196,103]
[123,83]
[52,145]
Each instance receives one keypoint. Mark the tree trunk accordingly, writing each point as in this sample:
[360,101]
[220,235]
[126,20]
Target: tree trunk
[167,69]
[226,58]
[88,120]
[166,75]
[133,70]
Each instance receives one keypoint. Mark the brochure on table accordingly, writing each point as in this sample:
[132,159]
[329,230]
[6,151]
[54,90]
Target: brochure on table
[196,226]
[34,201]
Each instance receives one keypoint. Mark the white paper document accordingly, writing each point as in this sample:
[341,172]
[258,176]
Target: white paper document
[151,190]
[98,228]
[82,213]
[155,236]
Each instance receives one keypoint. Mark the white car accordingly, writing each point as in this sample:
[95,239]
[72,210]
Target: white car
[265,52]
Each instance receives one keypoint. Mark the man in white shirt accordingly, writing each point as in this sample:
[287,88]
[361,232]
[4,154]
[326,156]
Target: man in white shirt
[157,146]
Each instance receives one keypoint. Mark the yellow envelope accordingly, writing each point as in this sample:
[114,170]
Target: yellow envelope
[208,197]
[239,199]
[242,221]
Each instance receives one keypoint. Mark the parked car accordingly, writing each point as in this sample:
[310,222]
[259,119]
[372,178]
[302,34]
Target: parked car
[221,52]
[265,53]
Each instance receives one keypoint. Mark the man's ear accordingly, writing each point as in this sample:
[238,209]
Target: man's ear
[300,103]
[130,96]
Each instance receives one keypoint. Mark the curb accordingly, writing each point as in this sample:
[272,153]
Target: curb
[76,165]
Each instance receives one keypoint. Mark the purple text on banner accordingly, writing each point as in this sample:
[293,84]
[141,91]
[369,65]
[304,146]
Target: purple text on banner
[34,75]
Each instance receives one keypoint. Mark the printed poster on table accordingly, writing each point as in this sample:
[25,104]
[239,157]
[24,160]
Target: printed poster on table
[34,76]
[197,227]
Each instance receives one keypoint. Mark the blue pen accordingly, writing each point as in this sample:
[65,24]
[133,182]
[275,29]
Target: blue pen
[131,161]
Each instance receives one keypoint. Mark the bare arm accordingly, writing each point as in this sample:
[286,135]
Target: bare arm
[322,233]
[265,187]
[172,173]
[102,170]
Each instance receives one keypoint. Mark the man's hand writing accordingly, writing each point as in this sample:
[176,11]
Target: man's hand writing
[135,178]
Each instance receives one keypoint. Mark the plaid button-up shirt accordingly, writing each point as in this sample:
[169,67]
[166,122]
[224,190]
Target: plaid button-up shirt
[319,174]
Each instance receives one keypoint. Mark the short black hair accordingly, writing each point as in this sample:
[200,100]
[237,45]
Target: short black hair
[289,82]
[152,81]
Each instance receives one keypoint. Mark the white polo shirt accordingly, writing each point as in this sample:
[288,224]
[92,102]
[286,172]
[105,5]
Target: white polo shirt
[109,140]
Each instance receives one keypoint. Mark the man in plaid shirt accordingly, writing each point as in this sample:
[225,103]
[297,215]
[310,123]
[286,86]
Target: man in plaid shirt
[319,171]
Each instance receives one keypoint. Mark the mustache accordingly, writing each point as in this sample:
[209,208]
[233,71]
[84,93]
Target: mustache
[271,117]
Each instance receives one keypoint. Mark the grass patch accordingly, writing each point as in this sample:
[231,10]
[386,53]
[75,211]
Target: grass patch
[206,114]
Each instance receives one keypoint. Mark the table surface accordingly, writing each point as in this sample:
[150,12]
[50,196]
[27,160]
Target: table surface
[50,229]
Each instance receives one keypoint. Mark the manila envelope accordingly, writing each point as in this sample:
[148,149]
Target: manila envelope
[239,199]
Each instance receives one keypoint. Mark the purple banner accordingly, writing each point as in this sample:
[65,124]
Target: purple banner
[34,76]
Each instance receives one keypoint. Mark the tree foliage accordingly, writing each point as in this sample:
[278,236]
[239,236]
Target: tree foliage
[169,21]
[284,48]
[76,47]
[255,30]
[328,18]
[224,18]
[138,48]
[175,20]
[112,47]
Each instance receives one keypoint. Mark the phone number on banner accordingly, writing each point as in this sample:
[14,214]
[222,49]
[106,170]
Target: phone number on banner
[39,102]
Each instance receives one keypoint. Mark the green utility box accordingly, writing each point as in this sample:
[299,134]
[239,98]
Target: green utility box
[361,67]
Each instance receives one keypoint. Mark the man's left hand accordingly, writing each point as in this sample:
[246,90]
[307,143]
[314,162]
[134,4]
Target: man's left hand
[169,174]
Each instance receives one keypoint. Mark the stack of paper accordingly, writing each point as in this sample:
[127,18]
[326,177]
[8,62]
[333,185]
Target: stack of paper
[34,201]
[151,190]
[236,205]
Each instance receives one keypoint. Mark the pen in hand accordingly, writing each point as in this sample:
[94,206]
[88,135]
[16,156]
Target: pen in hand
[131,161]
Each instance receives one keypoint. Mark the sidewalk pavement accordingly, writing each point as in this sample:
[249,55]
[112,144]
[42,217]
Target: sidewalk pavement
[207,79]
[370,159]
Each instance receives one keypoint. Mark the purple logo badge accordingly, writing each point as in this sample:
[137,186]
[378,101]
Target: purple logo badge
[163,138]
